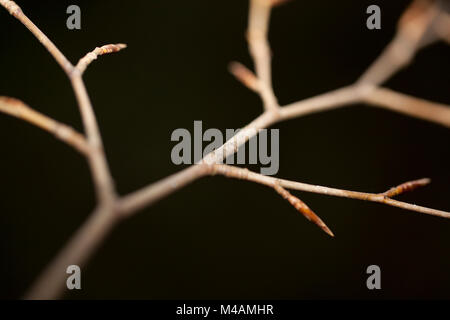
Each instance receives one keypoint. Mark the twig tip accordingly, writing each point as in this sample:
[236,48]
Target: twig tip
[301,207]
[328,231]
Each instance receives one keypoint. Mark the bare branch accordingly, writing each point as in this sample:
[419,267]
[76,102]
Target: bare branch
[101,174]
[411,106]
[137,200]
[375,96]
[323,102]
[244,174]
[51,283]
[412,27]
[413,33]
[63,132]
[345,96]
[96,157]
[99,51]
[17,12]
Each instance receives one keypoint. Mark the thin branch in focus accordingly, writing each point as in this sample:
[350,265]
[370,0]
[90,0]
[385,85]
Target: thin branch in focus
[63,132]
[245,174]
[99,51]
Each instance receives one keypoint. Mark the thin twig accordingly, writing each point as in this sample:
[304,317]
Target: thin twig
[17,12]
[244,174]
[99,51]
[406,187]
[102,178]
[63,132]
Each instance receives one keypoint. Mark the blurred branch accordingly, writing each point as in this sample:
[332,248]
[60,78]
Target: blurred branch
[442,27]
[17,13]
[413,33]
[411,106]
[63,132]
[377,96]
[257,33]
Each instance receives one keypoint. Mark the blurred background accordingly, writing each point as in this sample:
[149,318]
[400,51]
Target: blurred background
[221,238]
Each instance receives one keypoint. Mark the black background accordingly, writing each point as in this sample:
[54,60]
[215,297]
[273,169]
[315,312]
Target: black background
[222,238]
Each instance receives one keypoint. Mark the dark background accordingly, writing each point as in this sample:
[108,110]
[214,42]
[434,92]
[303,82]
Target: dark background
[222,238]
